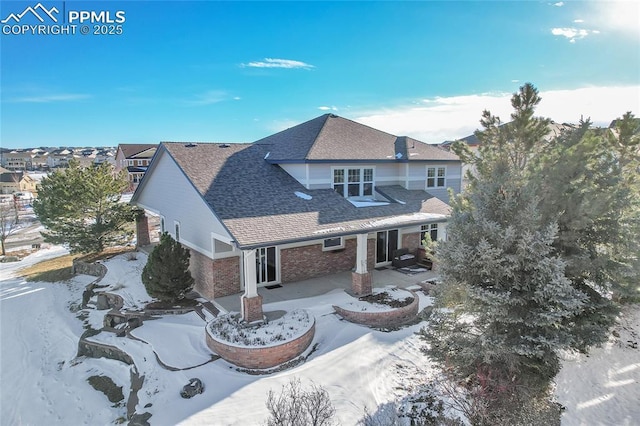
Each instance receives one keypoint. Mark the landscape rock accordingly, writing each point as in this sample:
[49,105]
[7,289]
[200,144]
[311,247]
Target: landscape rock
[193,388]
[139,419]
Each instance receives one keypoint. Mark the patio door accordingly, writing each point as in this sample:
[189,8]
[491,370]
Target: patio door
[386,244]
[266,265]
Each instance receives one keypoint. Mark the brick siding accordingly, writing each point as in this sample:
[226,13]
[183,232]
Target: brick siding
[301,263]
[215,278]
[411,241]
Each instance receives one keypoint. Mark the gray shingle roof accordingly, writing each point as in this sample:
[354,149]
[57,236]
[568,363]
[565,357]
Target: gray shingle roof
[257,201]
[330,137]
[132,149]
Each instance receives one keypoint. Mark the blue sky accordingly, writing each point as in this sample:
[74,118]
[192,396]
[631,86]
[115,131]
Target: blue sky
[239,71]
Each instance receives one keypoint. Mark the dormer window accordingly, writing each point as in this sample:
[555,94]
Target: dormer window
[353,182]
[436,177]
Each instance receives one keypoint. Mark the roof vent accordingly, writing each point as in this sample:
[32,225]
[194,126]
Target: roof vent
[224,145]
[333,115]
[190,145]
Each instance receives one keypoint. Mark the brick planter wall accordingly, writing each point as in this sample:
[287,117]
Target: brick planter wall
[389,318]
[261,357]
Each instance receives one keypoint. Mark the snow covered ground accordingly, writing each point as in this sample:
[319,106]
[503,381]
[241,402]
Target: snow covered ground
[42,381]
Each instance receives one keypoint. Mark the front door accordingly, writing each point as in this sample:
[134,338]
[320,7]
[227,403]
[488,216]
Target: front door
[386,244]
[266,265]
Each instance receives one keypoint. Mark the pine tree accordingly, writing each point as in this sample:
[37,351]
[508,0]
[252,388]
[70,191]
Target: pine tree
[166,275]
[81,207]
[548,227]
[513,318]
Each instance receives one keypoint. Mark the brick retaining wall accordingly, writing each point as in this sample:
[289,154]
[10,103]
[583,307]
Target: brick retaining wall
[389,318]
[261,357]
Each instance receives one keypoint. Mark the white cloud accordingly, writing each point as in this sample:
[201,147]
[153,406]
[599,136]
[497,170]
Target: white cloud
[559,4]
[619,17]
[573,34]
[327,108]
[439,119]
[60,97]
[578,21]
[208,98]
[278,63]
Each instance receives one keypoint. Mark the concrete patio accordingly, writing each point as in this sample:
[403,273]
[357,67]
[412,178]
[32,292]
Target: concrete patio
[322,285]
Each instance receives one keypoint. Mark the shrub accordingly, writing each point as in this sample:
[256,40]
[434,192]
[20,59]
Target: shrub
[166,275]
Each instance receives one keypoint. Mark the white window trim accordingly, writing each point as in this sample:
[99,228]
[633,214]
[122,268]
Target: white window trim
[429,227]
[332,248]
[176,226]
[361,183]
[426,177]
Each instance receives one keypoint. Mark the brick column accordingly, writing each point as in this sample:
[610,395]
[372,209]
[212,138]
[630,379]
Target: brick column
[361,284]
[252,309]
[251,301]
[142,230]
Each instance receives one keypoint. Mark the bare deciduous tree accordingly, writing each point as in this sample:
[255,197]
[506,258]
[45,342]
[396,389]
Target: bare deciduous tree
[295,406]
[9,221]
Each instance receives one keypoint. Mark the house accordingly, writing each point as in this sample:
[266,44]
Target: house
[325,196]
[59,158]
[18,160]
[134,158]
[12,182]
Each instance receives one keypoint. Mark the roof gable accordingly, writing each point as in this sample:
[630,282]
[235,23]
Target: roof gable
[333,138]
[138,150]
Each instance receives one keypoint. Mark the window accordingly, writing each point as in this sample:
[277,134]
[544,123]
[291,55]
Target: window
[359,182]
[162,228]
[177,232]
[333,244]
[436,177]
[430,229]
[221,246]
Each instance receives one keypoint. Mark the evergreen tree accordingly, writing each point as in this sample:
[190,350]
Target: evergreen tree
[513,318]
[166,275]
[547,228]
[591,190]
[81,207]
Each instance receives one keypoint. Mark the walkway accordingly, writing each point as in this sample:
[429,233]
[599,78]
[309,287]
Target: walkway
[322,285]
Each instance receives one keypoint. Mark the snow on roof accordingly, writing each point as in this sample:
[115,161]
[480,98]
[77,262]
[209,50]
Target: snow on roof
[303,195]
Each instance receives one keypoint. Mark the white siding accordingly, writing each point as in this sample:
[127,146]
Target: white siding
[170,194]
[297,171]
[408,175]
[389,174]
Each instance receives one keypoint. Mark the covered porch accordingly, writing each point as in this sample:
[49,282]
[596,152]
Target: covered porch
[322,285]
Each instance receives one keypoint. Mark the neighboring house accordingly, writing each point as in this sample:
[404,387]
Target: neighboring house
[18,160]
[135,159]
[59,158]
[11,182]
[325,196]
